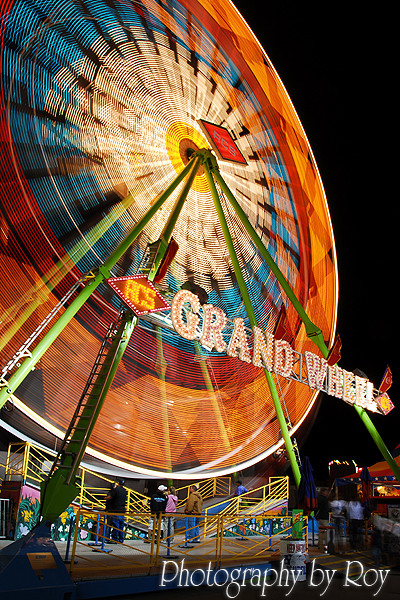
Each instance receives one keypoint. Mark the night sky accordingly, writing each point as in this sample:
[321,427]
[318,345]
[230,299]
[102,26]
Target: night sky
[338,66]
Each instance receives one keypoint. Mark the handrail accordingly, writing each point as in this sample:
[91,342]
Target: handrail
[26,460]
[209,488]
[224,544]
[276,489]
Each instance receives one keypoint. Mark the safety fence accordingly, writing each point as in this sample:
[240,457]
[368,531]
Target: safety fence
[31,464]
[96,543]
[254,502]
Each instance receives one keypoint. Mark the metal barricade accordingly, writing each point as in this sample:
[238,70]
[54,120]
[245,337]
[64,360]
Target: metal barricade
[146,544]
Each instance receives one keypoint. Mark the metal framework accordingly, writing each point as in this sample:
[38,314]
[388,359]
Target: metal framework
[60,488]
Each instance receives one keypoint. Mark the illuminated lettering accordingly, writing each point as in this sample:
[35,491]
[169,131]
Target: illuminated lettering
[335,381]
[238,342]
[364,392]
[214,321]
[140,295]
[263,349]
[384,402]
[283,359]
[316,370]
[186,329]
[349,387]
[267,353]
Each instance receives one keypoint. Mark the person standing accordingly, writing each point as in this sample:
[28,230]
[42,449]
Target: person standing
[355,514]
[172,501]
[337,508]
[193,507]
[240,489]
[158,503]
[116,503]
[322,517]
[108,505]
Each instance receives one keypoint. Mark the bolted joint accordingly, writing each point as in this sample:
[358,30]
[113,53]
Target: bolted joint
[103,271]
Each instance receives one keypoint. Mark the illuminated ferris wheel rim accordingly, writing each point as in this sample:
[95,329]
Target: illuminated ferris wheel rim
[255,83]
[205,6]
[199,472]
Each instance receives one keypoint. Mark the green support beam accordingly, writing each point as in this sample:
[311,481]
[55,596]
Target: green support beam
[313,332]
[252,318]
[100,274]
[61,488]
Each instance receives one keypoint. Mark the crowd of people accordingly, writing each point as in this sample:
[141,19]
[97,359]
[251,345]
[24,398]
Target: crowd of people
[339,512]
[333,514]
[163,504]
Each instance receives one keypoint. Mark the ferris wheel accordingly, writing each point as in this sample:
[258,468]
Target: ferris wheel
[113,114]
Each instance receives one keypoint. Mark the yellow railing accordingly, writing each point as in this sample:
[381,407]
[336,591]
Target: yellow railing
[30,463]
[208,488]
[231,542]
[16,462]
[94,496]
[256,501]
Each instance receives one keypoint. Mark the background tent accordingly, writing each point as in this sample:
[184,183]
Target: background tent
[380,471]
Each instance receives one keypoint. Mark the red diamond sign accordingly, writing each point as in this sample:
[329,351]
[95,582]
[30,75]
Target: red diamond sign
[222,142]
[384,403]
[139,294]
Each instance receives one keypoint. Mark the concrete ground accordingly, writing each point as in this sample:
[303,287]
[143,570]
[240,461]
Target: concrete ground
[329,576]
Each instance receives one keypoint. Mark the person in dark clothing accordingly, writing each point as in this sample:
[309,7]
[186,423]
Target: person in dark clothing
[116,503]
[108,505]
[158,503]
[322,517]
[323,507]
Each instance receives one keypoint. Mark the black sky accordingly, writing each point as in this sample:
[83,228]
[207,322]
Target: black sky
[338,64]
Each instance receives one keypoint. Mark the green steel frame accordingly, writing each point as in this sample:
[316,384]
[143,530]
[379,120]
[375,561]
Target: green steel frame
[58,496]
[60,489]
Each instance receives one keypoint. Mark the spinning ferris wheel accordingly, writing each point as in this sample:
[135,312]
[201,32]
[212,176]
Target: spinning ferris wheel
[113,114]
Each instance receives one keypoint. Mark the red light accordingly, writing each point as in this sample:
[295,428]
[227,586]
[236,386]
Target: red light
[138,293]
[385,403]
[222,142]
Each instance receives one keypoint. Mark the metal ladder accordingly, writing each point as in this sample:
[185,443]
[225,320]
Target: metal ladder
[149,257]
[77,433]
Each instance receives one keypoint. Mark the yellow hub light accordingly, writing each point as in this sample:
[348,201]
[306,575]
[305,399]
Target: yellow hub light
[181,140]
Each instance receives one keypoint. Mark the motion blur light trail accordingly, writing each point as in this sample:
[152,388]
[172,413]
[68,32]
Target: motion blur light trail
[100,102]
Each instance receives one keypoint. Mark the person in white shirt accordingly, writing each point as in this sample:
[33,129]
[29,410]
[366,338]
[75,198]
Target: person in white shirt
[355,513]
[337,508]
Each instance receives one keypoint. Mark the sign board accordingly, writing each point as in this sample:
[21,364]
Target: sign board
[208,324]
[222,142]
[139,294]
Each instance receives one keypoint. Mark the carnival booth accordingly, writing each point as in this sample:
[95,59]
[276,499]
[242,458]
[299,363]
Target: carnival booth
[385,488]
